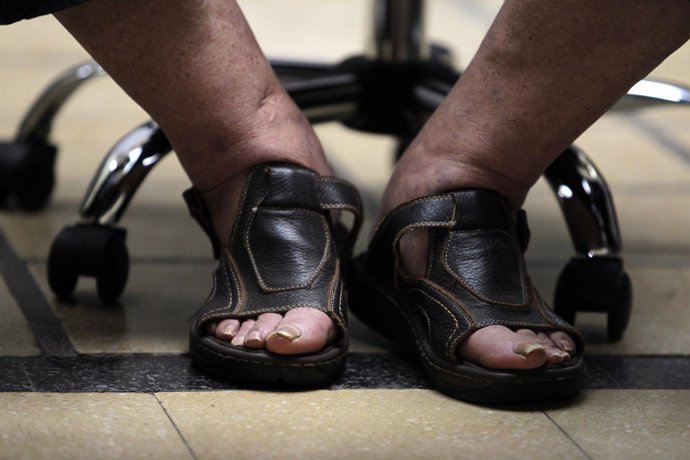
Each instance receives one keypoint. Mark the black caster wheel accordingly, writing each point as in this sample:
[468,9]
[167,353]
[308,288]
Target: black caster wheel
[595,284]
[89,250]
[26,174]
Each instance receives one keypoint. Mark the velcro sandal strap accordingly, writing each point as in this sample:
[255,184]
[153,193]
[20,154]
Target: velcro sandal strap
[199,212]
[339,195]
[427,212]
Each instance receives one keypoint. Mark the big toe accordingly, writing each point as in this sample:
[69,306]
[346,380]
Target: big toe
[497,347]
[302,330]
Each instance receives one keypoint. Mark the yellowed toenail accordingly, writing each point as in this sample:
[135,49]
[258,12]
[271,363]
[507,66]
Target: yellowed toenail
[288,332]
[526,349]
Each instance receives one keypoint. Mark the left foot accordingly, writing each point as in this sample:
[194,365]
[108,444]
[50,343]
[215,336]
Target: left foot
[493,347]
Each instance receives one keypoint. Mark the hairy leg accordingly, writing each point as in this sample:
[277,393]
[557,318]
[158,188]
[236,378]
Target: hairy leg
[544,73]
[197,69]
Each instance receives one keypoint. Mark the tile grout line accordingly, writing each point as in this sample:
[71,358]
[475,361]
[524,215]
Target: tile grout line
[44,323]
[566,434]
[177,429]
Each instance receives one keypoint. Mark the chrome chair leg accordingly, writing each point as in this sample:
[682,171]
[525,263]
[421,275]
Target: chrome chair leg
[593,280]
[94,247]
[651,93]
[121,173]
[393,91]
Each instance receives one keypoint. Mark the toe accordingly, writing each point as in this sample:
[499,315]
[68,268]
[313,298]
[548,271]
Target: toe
[497,347]
[556,356]
[225,330]
[563,341]
[264,325]
[244,329]
[302,330]
[550,341]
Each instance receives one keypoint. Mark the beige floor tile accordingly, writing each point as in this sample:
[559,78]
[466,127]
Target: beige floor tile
[659,320]
[86,426]
[155,228]
[152,316]
[154,312]
[625,153]
[630,424]
[16,338]
[359,424]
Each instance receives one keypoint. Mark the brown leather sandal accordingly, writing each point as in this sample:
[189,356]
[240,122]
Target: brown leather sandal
[284,252]
[475,277]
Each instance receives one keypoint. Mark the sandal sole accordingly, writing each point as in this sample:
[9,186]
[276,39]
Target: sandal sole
[374,305]
[261,367]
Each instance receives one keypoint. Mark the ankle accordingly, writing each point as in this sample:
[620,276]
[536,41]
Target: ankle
[273,130]
[419,174]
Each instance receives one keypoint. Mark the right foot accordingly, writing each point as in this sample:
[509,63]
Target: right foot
[298,331]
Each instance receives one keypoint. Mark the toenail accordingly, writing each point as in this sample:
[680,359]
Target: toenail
[230,330]
[254,336]
[566,346]
[288,332]
[526,349]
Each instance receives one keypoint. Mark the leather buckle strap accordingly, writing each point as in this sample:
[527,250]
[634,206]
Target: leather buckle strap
[339,195]
[199,212]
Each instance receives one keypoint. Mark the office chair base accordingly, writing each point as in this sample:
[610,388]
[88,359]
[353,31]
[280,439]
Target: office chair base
[89,250]
[26,174]
[596,284]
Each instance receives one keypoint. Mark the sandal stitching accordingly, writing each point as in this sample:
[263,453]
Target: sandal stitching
[459,373]
[221,313]
[322,262]
[460,279]
[421,351]
[455,322]
[336,316]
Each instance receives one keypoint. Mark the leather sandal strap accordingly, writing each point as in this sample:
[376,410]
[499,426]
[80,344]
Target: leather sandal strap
[427,212]
[475,274]
[333,194]
[339,195]
[283,251]
[199,212]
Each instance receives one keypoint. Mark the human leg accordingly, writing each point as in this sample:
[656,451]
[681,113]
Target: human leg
[544,73]
[196,68]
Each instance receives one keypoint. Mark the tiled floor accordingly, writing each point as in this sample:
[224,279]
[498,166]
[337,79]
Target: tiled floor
[117,383]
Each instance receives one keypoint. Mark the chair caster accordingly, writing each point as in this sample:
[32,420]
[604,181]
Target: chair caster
[595,284]
[26,174]
[89,250]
